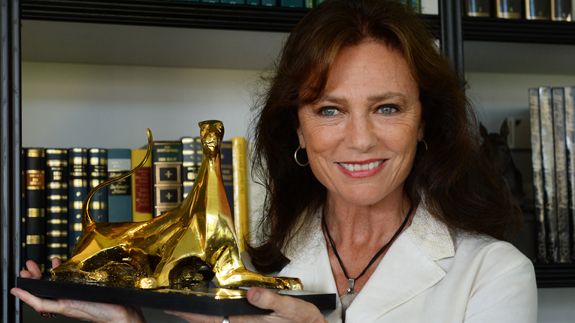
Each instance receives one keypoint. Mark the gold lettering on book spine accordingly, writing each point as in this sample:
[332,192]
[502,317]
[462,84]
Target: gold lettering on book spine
[182,248]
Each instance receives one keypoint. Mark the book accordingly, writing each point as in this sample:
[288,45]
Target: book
[478,8]
[561,10]
[414,5]
[537,9]
[77,191]
[292,3]
[191,161]
[35,205]
[536,159]
[269,3]
[570,145]
[233,1]
[97,173]
[240,190]
[167,175]
[508,9]
[548,163]
[56,204]
[227,170]
[141,187]
[119,193]
[561,189]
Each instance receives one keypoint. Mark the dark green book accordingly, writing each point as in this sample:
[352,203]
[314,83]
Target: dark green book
[77,192]
[97,173]
[56,204]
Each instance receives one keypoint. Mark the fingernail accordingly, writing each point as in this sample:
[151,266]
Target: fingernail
[256,295]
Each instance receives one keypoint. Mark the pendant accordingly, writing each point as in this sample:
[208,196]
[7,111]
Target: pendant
[350,286]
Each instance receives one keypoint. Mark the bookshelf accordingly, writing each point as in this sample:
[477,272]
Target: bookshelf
[64,22]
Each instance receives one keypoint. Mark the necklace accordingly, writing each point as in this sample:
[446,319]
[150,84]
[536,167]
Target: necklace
[351,281]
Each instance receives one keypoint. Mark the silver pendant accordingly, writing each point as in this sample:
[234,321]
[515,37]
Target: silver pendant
[350,286]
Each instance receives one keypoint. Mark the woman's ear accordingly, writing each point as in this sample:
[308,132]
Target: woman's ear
[421,131]
[300,138]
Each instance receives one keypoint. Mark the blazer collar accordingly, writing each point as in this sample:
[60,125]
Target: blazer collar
[408,269]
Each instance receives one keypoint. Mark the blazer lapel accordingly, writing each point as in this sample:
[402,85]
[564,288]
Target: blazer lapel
[408,269]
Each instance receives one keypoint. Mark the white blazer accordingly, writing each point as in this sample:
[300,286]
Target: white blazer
[428,275]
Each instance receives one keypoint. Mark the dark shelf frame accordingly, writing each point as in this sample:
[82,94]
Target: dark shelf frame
[518,31]
[555,275]
[173,13]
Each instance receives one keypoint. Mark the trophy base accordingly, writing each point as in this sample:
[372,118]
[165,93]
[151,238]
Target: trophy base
[208,301]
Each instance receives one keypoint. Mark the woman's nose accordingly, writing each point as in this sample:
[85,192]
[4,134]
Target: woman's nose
[360,133]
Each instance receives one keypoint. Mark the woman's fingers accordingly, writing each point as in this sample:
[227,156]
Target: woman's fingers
[56,262]
[196,318]
[285,308]
[38,304]
[34,269]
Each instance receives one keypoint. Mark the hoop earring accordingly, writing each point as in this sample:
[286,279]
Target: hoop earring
[424,144]
[296,160]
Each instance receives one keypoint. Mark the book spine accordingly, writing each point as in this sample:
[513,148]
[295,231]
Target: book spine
[478,8]
[537,163]
[508,9]
[119,193]
[547,151]
[240,189]
[56,204]
[561,10]
[77,191]
[141,187]
[561,188]
[97,173]
[570,144]
[269,3]
[167,172]
[35,207]
[291,3]
[191,161]
[227,171]
[537,9]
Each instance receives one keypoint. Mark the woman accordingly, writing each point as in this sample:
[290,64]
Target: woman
[386,200]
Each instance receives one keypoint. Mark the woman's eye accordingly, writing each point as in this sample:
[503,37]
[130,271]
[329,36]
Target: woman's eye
[328,111]
[387,109]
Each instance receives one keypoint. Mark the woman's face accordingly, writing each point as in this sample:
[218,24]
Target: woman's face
[362,133]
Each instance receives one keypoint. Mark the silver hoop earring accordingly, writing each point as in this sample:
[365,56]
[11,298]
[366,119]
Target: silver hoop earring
[296,160]
[424,144]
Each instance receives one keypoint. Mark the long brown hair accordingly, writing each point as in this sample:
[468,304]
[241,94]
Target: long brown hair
[459,187]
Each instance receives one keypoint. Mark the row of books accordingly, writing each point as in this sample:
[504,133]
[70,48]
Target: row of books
[557,10]
[552,114]
[414,4]
[57,180]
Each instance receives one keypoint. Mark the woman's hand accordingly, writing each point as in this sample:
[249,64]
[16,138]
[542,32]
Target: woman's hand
[94,312]
[284,309]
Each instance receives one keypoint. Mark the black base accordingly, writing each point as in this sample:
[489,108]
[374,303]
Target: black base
[166,300]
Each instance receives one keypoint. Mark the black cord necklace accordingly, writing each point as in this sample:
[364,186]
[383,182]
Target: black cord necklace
[351,281]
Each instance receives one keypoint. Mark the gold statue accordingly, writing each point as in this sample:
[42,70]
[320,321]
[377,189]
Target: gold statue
[181,249]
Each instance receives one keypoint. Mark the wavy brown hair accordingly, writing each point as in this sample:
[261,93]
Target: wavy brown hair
[459,186]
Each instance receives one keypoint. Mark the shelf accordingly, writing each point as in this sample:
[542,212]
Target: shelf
[555,275]
[521,31]
[172,13]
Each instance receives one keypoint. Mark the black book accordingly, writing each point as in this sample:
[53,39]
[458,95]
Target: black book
[56,204]
[77,191]
[34,205]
